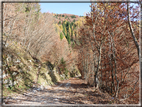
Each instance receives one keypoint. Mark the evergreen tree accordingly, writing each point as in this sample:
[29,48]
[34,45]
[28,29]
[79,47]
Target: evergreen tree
[71,24]
[73,16]
[67,26]
[61,36]
[71,34]
[65,31]
[59,22]
[64,28]
[70,31]
[74,20]
[68,38]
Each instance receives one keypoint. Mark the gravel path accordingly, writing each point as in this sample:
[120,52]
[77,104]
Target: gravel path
[72,91]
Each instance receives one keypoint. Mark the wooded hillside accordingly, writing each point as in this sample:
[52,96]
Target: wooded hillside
[42,49]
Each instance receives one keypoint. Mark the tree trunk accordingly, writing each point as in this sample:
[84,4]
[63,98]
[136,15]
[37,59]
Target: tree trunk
[132,31]
[97,70]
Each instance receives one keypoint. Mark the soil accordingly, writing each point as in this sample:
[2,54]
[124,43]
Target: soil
[71,91]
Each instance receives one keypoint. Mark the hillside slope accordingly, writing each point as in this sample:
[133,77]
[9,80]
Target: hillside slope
[33,53]
[90,60]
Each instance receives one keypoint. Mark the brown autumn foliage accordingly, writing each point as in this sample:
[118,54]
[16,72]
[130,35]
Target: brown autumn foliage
[106,53]
[106,38]
[23,23]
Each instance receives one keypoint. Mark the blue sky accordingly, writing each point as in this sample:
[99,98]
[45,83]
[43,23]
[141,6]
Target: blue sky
[70,8]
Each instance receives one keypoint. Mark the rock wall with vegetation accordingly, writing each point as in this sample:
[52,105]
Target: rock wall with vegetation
[33,53]
[21,71]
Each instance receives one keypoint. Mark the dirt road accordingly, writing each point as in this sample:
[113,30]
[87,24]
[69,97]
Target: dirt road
[71,91]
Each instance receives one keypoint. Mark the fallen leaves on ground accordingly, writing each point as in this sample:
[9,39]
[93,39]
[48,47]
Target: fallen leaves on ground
[71,91]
